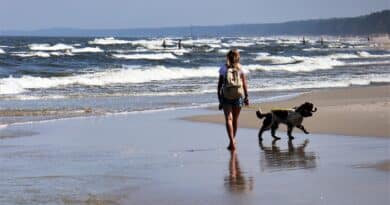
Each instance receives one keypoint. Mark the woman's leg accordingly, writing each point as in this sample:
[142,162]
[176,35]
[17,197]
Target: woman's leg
[227,109]
[236,114]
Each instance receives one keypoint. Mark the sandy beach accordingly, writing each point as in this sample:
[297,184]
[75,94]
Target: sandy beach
[355,111]
[156,158]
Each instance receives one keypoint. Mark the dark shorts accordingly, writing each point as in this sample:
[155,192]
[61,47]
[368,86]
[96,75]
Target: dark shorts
[239,102]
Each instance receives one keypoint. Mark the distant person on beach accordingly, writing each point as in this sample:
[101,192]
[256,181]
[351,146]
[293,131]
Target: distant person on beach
[179,44]
[232,93]
[164,44]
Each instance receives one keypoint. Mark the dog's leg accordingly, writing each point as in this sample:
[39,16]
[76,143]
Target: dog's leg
[274,127]
[303,129]
[289,131]
[261,133]
[261,144]
[266,125]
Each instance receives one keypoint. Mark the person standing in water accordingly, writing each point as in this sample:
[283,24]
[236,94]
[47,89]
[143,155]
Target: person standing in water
[179,44]
[232,93]
[164,44]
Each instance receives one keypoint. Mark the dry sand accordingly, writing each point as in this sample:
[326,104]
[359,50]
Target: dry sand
[356,111]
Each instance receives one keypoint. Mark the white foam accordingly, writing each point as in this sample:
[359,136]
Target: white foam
[32,54]
[370,62]
[42,54]
[238,44]
[48,47]
[2,51]
[155,44]
[87,50]
[2,126]
[345,81]
[276,59]
[263,54]
[12,85]
[365,54]
[203,42]
[313,49]
[156,56]
[108,41]
[225,50]
[290,41]
[29,97]
[303,64]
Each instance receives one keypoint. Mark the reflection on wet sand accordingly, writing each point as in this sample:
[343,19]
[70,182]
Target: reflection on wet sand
[275,159]
[236,181]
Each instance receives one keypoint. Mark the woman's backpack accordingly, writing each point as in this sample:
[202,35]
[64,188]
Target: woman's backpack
[233,86]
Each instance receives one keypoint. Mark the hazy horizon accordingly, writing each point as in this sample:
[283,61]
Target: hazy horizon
[121,14]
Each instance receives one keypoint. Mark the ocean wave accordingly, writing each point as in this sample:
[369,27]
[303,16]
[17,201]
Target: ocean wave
[13,85]
[299,63]
[48,47]
[32,54]
[155,44]
[303,63]
[370,62]
[201,42]
[225,50]
[41,54]
[315,83]
[2,51]
[276,59]
[291,41]
[87,50]
[157,56]
[108,41]
[67,52]
[235,44]
[365,54]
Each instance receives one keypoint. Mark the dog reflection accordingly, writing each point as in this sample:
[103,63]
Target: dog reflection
[273,158]
[236,181]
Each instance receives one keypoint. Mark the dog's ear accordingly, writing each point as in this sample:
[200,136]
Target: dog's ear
[305,109]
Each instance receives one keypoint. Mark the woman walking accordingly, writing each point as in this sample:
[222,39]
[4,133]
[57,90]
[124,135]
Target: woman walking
[232,93]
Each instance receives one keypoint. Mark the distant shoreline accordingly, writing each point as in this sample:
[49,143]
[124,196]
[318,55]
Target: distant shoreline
[374,23]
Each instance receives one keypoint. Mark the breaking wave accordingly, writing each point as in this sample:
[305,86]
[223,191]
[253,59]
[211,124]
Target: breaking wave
[13,85]
[108,41]
[87,50]
[157,56]
[48,47]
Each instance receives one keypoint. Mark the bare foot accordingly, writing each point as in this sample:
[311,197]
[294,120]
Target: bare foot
[232,146]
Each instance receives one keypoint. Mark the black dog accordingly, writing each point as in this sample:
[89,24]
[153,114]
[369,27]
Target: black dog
[291,117]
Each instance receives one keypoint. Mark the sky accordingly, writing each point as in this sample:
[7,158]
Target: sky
[110,14]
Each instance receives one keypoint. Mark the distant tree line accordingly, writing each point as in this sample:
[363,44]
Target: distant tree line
[375,23]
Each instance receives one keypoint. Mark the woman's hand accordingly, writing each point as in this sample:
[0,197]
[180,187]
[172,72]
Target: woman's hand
[246,101]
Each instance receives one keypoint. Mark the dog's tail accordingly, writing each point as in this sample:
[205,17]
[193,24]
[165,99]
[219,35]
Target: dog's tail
[260,115]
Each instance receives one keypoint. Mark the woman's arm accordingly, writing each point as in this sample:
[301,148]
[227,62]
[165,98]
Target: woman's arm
[219,87]
[245,86]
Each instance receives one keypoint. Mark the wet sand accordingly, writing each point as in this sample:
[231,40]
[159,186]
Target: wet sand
[156,158]
[357,111]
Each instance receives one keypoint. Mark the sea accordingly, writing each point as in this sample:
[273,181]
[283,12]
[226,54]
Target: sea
[44,78]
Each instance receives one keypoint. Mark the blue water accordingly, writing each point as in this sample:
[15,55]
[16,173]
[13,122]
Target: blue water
[131,74]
